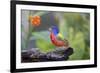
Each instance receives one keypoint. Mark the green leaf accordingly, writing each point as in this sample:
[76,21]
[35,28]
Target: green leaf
[44,35]
[44,46]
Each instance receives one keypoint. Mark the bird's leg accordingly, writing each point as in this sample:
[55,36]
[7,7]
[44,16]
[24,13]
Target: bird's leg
[66,44]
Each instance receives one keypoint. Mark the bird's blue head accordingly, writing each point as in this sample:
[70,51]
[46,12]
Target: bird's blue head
[55,30]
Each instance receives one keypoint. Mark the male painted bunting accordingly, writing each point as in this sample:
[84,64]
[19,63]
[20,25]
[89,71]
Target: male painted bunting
[56,37]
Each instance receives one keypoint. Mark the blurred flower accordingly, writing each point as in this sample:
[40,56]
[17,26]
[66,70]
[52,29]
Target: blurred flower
[35,20]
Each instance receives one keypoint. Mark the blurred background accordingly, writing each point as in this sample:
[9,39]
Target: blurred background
[75,27]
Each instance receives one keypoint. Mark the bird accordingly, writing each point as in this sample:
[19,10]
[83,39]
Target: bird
[57,33]
[56,37]
[35,20]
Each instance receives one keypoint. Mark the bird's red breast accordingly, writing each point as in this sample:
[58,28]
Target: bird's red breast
[55,41]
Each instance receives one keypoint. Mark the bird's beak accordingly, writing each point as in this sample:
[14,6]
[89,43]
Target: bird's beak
[50,29]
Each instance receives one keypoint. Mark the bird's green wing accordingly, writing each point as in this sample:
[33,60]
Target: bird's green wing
[60,36]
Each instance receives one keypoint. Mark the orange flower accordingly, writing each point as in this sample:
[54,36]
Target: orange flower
[35,21]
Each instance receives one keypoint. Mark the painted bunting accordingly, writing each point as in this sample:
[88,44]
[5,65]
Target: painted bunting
[56,32]
[56,37]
